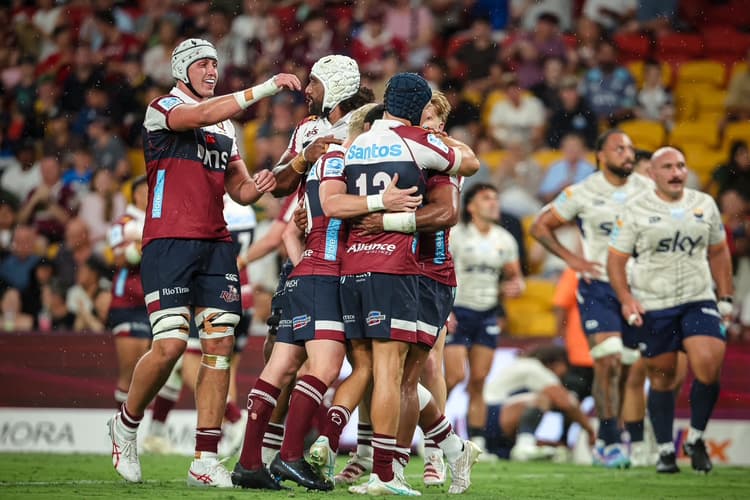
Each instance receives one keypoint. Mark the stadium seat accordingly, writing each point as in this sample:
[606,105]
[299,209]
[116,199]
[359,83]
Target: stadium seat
[494,97]
[678,47]
[690,133]
[705,72]
[547,157]
[711,104]
[645,134]
[726,44]
[532,314]
[492,158]
[529,242]
[737,68]
[727,13]
[636,69]
[734,132]
[632,46]
[249,133]
[702,160]
[137,162]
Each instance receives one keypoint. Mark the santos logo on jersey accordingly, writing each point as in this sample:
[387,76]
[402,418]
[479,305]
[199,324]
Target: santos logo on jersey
[373,151]
[679,243]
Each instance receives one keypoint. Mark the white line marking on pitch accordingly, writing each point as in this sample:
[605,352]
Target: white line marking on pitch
[81,482]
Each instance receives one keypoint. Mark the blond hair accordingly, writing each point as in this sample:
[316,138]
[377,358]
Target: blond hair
[441,105]
[357,120]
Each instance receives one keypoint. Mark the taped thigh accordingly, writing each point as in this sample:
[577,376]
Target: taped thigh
[171,323]
[607,347]
[216,323]
[424,396]
[630,356]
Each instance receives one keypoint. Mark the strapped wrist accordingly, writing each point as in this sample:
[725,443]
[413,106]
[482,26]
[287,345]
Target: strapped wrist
[375,203]
[402,222]
[299,164]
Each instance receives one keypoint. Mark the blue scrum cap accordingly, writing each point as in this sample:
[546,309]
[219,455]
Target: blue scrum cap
[406,95]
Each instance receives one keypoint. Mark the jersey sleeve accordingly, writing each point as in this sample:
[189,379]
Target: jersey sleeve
[158,111]
[567,204]
[510,243]
[716,234]
[429,150]
[623,236]
[332,167]
[287,208]
[539,377]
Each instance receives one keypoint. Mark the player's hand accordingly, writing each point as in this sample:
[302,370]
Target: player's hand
[318,147]
[512,288]
[287,81]
[264,181]
[371,223]
[300,216]
[401,200]
[633,311]
[451,324]
[586,268]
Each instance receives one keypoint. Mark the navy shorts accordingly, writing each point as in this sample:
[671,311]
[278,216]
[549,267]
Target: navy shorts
[129,322]
[601,312]
[435,303]
[474,328]
[278,300]
[664,330]
[180,273]
[312,310]
[380,306]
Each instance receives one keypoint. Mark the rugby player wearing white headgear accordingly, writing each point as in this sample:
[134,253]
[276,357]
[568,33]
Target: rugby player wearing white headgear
[192,159]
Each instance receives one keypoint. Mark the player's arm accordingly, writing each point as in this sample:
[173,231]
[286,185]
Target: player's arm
[245,189]
[293,240]
[469,164]
[513,284]
[567,403]
[621,249]
[336,202]
[543,230]
[265,245]
[189,116]
[292,167]
[720,262]
[439,213]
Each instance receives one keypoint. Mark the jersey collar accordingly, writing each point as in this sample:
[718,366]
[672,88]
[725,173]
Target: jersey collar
[186,98]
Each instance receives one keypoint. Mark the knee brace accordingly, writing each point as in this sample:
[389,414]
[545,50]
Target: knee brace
[216,362]
[215,323]
[608,347]
[173,386]
[424,396]
[630,356]
[171,323]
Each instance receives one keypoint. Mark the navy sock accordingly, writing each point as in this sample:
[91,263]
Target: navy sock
[661,410]
[530,420]
[608,431]
[635,429]
[702,400]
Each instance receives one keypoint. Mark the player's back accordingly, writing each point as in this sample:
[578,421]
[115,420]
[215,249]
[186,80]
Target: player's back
[127,290]
[522,376]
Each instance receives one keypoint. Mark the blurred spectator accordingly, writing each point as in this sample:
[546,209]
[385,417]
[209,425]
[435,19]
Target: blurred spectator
[78,176]
[269,51]
[157,60]
[129,98]
[654,102]
[20,177]
[100,207]
[58,140]
[391,65]
[8,213]
[13,318]
[513,225]
[316,40]
[609,88]
[526,12]
[517,118]
[17,268]
[435,71]
[734,175]
[612,14]
[413,23]
[53,302]
[572,168]
[107,149]
[46,18]
[73,252]
[96,105]
[477,54]
[84,76]
[374,41]
[88,299]
[573,116]
[57,64]
[49,206]
[219,33]
[548,90]
[25,92]
[249,26]
[738,94]
[517,179]
[657,15]
[464,114]
[527,51]
[583,55]
[115,43]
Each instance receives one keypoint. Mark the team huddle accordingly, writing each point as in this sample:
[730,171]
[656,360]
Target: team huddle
[371,278]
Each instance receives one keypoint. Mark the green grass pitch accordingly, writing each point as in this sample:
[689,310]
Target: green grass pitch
[50,476]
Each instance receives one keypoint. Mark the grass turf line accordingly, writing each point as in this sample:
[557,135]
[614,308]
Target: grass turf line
[35,475]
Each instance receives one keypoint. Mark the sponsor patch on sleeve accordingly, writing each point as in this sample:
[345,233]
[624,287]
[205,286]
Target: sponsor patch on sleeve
[334,167]
[169,102]
[437,142]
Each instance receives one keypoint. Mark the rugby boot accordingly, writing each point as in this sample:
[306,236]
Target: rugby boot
[259,479]
[699,458]
[301,472]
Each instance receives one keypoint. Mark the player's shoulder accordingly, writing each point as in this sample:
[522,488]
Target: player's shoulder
[502,234]
[165,103]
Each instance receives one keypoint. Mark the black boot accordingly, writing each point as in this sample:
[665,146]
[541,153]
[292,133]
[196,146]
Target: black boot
[259,479]
[699,458]
[301,472]
[667,463]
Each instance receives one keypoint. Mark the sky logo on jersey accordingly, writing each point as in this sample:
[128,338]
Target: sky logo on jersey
[300,321]
[437,142]
[679,243]
[373,151]
[334,167]
[374,318]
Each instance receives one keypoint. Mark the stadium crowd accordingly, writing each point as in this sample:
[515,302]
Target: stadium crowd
[531,84]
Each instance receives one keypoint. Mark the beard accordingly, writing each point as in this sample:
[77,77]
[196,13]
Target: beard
[620,170]
[315,108]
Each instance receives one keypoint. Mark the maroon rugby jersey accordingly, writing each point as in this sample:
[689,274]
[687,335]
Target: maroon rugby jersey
[127,290]
[390,147]
[434,256]
[185,173]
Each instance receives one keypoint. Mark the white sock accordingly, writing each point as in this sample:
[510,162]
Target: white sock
[364,451]
[694,435]
[525,439]
[123,430]
[452,447]
[665,448]
[157,428]
[206,455]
